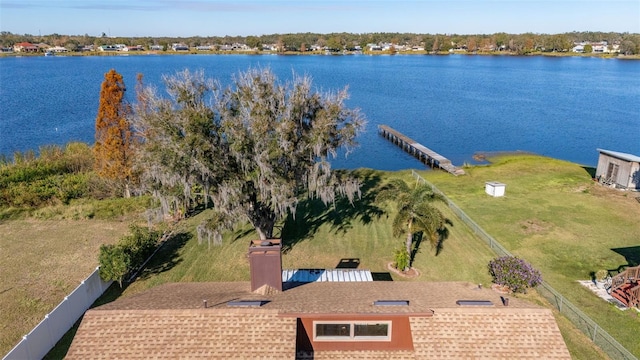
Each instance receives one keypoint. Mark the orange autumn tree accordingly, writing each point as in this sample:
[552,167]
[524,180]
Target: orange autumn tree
[113,150]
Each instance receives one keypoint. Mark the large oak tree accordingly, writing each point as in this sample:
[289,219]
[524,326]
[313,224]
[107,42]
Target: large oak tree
[253,148]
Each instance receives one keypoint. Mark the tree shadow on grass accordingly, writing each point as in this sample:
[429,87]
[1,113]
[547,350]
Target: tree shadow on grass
[631,254]
[416,241]
[443,234]
[166,257]
[241,233]
[311,213]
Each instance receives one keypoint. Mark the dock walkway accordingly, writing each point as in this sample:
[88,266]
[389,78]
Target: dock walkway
[421,152]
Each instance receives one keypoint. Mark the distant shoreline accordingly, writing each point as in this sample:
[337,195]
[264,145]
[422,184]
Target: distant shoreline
[316,53]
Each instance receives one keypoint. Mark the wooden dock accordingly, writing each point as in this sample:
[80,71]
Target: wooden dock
[421,152]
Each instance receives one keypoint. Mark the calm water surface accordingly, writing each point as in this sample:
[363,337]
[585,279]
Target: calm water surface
[456,105]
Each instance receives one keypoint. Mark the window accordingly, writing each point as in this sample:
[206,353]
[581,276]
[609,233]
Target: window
[371,330]
[333,330]
[612,172]
[352,330]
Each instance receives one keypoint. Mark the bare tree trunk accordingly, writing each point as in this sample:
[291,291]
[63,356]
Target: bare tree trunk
[408,244]
[262,234]
[409,237]
[263,220]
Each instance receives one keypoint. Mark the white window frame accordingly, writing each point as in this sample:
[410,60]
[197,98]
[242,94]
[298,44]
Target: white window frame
[352,337]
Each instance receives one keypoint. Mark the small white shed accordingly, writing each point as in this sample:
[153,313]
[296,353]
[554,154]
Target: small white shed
[618,169]
[494,188]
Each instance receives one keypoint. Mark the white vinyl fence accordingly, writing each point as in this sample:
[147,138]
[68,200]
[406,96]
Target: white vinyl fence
[46,334]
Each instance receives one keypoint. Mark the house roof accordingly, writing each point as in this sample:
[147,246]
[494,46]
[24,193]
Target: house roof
[488,333]
[185,333]
[621,155]
[171,321]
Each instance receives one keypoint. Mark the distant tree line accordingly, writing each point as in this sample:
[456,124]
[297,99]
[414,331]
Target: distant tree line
[518,43]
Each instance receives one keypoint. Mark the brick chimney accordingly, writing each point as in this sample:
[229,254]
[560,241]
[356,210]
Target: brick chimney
[265,263]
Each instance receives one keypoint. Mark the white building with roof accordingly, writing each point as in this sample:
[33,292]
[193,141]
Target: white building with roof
[618,169]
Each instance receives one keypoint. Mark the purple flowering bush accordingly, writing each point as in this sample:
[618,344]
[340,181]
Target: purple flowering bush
[514,273]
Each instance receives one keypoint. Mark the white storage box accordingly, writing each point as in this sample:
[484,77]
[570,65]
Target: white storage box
[494,188]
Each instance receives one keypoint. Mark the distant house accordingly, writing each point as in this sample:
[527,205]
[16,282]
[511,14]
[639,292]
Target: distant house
[180,47]
[269,47]
[58,49]
[578,48]
[618,169]
[320,315]
[25,47]
[156,47]
[600,47]
[133,48]
[596,47]
[107,48]
[241,47]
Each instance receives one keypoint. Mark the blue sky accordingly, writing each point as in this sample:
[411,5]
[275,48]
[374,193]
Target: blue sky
[183,18]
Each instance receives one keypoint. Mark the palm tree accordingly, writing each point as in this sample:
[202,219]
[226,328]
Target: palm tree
[416,212]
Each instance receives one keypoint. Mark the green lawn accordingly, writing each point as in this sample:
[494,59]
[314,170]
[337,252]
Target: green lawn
[320,237]
[557,218]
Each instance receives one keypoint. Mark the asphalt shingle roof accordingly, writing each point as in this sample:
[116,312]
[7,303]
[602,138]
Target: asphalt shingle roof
[170,321]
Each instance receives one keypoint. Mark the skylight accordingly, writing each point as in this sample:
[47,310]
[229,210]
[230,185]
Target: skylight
[247,303]
[391,303]
[474,303]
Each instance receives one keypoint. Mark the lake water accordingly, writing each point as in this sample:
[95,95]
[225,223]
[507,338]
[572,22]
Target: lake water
[456,105]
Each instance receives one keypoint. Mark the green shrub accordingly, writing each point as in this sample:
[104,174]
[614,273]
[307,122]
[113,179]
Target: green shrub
[139,244]
[601,275]
[401,258]
[74,186]
[115,263]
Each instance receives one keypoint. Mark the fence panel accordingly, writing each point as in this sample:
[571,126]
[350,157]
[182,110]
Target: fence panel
[78,301]
[39,339]
[579,319]
[50,330]
[61,319]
